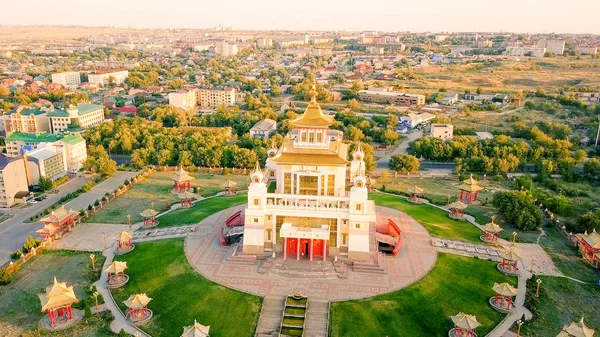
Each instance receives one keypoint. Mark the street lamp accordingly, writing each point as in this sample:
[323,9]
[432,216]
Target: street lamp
[104,238]
[532,263]
[95,294]
[514,239]
[537,291]
[129,221]
[93,258]
[519,322]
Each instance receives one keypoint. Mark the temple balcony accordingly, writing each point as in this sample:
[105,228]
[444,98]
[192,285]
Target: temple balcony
[320,203]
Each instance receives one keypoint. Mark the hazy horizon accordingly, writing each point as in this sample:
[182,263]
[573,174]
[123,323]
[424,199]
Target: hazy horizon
[518,16]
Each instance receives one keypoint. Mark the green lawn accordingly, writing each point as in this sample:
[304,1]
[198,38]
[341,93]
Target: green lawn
[483,215]
[211,184]
[155,188]
[19,303]
[200,210]
[455,284]
[180,295]
[435,220]
[562,301]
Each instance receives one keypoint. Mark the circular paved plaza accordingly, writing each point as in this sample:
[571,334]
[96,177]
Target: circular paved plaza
[415,260]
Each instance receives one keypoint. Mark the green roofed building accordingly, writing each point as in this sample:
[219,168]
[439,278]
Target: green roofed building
[76,118]
[17,142]
[28,118]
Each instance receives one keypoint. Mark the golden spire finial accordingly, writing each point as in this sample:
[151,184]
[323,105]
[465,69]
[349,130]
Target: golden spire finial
[313,93]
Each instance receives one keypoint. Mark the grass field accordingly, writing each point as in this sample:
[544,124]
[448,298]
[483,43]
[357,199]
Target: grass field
[483,215]
[19,303]
[180,295]
[455,284]
[211,184]
[562,301]
[200,210]
[155,188]
[435,220]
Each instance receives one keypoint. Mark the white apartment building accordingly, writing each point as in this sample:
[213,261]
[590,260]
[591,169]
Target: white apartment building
[71,79]
[225,49]
[183,98]
[75,151]
[390,97]
[75,118]
[556,47]
[13,180]
[525,51]
[264,43]
[214,97]
[587,50]
[48,162]
[442,131]
[101,76]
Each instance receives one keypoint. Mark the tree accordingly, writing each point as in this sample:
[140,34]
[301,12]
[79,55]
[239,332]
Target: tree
[389,137]
[4,92]
[111,81]
[5,277]
[353,104]
[99,162]
[45,184]
[29,244]
[518,209]
[404,163]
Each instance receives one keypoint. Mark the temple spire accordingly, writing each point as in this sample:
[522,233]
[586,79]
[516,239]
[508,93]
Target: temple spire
[313,93]
[257,168]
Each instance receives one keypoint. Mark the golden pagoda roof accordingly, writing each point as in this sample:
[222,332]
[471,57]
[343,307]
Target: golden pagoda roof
[576,330]
[313,116]
[57,295]
[415,190]
[504,289]
[465,321]
[58,215]
[509,255]
[334,155]
[148,213]
[458,205]
[137,301]
[181,175]
[470,185]
[492,227]
[186,195]
[592,239]
[116,267]
[230,183]
[49,229]
[123,236]
[196,330]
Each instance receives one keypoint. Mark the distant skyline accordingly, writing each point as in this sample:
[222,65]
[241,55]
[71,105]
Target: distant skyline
[520,16]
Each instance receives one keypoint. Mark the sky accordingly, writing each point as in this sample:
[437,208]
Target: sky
[521,16]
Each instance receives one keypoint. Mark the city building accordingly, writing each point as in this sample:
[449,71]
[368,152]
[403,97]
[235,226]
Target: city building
[525,51]
[591,97]
[587,50]
[71,79]
[442,131]
[556,47]
[102,76]
[263,128]
[216,96]
[310,214]
[13,181]
[391,97]
[80,117]
[28,118]
[449,99]
[264,43]
[226,49]
[48,162]
[485,43]
[75,151]
[419,118]
[183,98]
[18,142]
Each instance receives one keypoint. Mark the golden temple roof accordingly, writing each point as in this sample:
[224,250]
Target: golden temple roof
[123,236]
[196,330]
[58,215]
[137,301]
[470,185]
[230,184]
[464,321]
[313,116]
[415,190]
[504,289]
[492,227]
[576,330]
[48,229]
[148,213]
[57,295]
[592,239]
[181,175]
[335,155]
[116,267]
[509,255]
[458,205]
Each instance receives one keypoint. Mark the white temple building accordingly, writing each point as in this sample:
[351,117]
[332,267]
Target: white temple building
[311,214]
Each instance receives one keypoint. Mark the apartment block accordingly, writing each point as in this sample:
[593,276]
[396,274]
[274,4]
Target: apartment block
[19,142]
[75,151]
[13,180]
[264,43]
[183,98]
[587,50]
[102,76]
[76,118]
[48,162]
[28,118]
[556,47]
[391,97]
[71,79]
[525,51]
[214,97]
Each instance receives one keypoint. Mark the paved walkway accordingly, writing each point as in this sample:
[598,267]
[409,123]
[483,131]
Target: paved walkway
[519,312]
[211,260]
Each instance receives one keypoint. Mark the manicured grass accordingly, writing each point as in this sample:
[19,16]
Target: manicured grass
[155,188]
[180,295]
[455,284]
[483,215]
[200,210]
[210,184]
[435,220]
[19,303]
[562,301]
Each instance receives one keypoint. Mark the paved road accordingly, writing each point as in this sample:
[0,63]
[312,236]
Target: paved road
[13,231]
[383,162]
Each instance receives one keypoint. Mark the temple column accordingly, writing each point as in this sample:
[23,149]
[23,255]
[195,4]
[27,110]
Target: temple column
[324,250]
[298,249]
[284,248]
[311,248]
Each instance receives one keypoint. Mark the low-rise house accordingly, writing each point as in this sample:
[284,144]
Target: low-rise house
[449,99]
[442,131]
[263,128]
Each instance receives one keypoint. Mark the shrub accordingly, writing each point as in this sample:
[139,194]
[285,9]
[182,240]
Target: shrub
[29,244]
[122,333]
[5,277]
[126,182]
[87,312]
[16,254]
[226,171]
[97,202]
[81,212]
[90,207]
[499,178]
[518,209]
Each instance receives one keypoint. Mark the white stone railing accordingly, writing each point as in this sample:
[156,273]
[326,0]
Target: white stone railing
[308,202]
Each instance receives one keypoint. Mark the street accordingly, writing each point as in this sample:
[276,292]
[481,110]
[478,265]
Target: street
[383,162]
[14,231]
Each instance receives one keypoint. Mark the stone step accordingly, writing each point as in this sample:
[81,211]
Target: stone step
[270,317]
[317,319]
